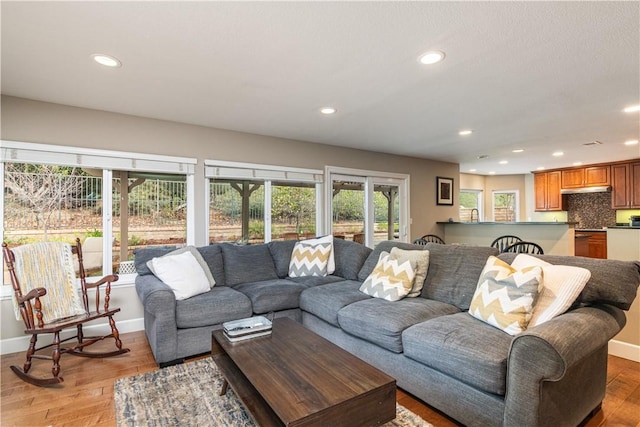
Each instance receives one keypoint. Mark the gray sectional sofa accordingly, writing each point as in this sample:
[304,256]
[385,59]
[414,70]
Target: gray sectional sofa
[551,374]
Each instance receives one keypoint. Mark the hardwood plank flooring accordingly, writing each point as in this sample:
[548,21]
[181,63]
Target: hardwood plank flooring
[86,396]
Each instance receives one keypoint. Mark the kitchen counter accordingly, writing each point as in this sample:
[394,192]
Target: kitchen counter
[507,223]
[555,238]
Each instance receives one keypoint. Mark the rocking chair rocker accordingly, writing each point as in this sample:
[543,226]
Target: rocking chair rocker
[45,297]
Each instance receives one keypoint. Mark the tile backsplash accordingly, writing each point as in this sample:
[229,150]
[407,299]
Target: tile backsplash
[590,210]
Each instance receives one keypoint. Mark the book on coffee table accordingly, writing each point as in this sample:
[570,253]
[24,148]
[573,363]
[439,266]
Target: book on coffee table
[243,329]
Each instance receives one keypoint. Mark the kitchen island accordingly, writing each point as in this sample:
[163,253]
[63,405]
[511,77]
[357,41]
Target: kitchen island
[623,243]
[556,238]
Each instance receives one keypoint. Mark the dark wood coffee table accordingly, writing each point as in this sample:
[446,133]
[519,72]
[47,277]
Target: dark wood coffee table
[294,377]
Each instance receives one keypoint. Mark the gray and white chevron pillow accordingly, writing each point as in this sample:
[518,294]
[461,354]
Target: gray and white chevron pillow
[391,279]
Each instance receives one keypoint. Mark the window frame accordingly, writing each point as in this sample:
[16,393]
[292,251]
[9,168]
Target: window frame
[516,202]
[107,161]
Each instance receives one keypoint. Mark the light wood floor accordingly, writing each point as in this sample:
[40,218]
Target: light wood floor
[86,396]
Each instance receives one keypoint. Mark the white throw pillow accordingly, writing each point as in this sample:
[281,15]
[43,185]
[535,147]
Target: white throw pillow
[196,254]
[331,266]
[562,284]
[182,274]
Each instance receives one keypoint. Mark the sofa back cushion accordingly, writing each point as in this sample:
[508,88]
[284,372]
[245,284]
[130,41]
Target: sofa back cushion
[281,253]
[454,271]
[249,263]
[612,282]
[386,246]
[350,257]
[142,255]
[212,255]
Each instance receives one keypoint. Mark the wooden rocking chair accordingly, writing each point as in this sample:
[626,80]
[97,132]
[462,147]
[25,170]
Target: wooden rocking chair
[44,284]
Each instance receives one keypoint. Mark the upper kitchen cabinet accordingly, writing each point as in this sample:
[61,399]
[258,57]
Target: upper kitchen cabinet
[625,183]
[590,176]
[547,191]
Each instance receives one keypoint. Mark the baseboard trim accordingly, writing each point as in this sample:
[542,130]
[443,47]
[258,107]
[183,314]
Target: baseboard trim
[20,344]
[624,350]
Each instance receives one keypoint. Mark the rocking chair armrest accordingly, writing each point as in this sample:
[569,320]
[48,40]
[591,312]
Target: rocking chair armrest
[106,279]
[33,293]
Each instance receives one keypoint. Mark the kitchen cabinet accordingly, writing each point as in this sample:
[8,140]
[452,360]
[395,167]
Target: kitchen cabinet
[598,244]
[592,244]
[590,176]
[547,191]
[625,183]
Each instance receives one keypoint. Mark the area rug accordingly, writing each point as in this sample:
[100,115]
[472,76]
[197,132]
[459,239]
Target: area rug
[187,395]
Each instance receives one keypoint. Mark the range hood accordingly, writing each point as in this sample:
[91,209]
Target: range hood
[599,189]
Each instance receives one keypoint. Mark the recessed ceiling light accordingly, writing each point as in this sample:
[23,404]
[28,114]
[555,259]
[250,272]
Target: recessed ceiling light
[503,162]
[632,109]
[558,154]
[577,163]
[472,170]
[465,132]
[492,173]
[518,150]
[106,60]
[631,142]
[328,110]
[540,168]
[431,57]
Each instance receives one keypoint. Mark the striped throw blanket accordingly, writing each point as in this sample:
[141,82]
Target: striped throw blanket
[48,265]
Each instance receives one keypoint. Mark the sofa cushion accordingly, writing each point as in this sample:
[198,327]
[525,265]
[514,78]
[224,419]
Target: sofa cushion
[462,347]
[386,246]
[272,295]
[309,259]
[392,279]
[310,281]
[421,259]
[505,296]
[212,255]
[350,257]
[281,253]
[561,285]
[382,322]
[325,301]
[612,282]
[218,305]
[454,271]
[245,264]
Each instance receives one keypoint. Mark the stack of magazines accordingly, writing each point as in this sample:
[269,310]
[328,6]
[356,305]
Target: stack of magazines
[243,329]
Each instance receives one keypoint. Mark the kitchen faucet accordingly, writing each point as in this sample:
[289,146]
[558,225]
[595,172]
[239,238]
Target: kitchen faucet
[477,215]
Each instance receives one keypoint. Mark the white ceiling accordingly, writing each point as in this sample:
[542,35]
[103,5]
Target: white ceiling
[542,76]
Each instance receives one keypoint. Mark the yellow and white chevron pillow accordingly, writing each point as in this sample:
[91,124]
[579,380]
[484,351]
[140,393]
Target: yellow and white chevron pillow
[309,260]
[391,279]
[505,297]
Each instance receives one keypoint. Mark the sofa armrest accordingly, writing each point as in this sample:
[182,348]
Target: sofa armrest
[548,352]
[154,294]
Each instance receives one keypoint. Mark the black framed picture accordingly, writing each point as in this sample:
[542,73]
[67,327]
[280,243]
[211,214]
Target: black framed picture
[444,191]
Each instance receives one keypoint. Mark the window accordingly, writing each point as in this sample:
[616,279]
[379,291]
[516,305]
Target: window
[506,206]
[63,193]
[252,203]
[471,205]
[367,206]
